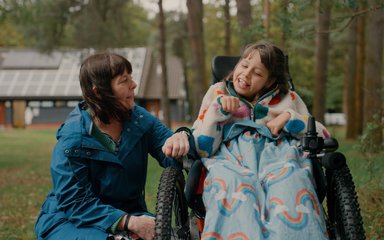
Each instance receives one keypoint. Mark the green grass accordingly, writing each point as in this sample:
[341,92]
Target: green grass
[25,181]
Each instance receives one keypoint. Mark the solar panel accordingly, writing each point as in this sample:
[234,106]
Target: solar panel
[28,74]
[29,59]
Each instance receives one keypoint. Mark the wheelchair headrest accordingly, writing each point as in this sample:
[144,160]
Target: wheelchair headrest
[222,66]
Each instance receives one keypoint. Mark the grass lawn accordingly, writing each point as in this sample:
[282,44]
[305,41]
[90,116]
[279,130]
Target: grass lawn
[25,181]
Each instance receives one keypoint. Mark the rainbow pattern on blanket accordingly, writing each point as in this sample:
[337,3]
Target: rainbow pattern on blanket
[217,236]
[301,219]
[226,207]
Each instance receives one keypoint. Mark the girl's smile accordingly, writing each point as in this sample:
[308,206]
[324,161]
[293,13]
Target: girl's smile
[250,76]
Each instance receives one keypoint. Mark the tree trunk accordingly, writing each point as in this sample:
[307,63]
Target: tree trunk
[163,61]
[195,27]
[349,83]
[227,19]
[285,23]
[323,12]
[373,105]
[360,59]
[267,17]
[244,18]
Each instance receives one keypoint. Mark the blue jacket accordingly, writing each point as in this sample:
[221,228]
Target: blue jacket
[93,187]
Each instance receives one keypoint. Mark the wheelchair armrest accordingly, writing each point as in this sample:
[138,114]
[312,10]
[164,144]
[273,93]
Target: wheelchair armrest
[333,160]
[330,145]
[193,180]
[194,187]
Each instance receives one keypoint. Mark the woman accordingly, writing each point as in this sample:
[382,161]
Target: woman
[99,163]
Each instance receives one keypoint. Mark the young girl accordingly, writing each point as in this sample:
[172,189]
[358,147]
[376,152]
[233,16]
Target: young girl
[259,184]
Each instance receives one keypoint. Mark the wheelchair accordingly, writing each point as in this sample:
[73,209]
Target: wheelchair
[180,210]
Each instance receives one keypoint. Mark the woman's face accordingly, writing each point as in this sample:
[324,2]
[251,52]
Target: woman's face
[250,76]
[123,87]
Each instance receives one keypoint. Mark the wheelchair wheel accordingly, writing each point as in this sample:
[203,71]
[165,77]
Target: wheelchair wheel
[171,207]
[344,219]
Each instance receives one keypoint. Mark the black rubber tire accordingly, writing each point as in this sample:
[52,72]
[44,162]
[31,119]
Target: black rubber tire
[171,207]
[344,218]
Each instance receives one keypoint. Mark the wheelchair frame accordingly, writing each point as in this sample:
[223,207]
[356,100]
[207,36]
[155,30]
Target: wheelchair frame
[332,176]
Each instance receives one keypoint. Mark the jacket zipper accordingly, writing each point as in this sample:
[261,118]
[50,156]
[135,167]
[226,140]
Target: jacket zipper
[250,105]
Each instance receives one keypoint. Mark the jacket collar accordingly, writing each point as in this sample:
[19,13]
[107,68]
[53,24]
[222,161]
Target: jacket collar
[265,98]
[78,136]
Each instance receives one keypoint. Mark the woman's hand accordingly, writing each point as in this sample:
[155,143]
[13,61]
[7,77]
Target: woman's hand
[230,104]
[275,125]
[176,146]
[142,226]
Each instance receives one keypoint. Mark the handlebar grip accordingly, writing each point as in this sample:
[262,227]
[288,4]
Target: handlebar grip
[311,129]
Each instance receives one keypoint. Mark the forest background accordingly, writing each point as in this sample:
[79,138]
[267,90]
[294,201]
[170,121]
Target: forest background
[335,47]
[335,53]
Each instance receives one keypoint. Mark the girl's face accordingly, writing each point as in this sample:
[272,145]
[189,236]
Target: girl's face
[250,76]
[123,87]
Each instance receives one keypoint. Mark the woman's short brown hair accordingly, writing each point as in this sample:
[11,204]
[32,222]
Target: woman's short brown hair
[96,74]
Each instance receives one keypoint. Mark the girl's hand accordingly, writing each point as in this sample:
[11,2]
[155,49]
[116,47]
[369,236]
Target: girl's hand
[230,104]
[275,125]
[176,146]
[142,226]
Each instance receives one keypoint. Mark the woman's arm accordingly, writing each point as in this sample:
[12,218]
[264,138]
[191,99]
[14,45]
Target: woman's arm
[157,135]
[177,145]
